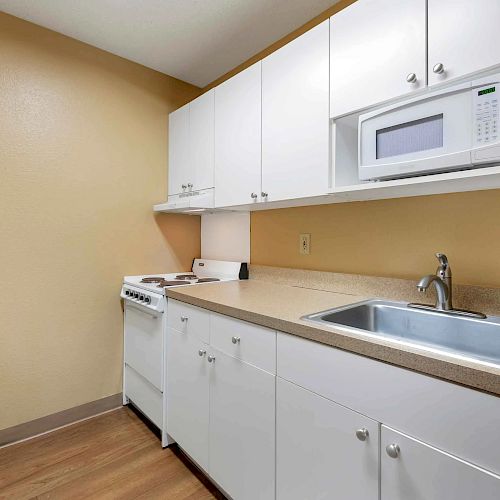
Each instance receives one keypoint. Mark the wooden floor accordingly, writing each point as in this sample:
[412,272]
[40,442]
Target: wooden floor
[111,456]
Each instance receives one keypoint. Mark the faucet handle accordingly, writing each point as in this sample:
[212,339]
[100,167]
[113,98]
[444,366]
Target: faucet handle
[444,269]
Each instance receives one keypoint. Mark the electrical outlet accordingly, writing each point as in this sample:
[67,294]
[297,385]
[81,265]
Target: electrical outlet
[304,244]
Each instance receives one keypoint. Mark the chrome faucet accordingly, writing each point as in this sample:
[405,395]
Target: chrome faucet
[442,283]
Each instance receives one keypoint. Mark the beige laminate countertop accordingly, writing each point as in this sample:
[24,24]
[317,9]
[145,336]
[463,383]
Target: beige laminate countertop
[280,307]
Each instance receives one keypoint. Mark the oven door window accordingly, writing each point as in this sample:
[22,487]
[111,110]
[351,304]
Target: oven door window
[410,137]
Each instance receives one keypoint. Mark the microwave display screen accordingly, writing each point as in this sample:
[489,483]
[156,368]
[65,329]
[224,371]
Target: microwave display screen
[410,137]
[486,91]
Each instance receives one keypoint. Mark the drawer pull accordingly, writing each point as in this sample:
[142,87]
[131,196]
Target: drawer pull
[211,359]
[362,434]
[393,450]
[235,340]
[184,318]
[202,352]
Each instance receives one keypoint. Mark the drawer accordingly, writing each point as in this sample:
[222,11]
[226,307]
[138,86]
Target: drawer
[186,318]
[144,396]
[251,343]
[458,420]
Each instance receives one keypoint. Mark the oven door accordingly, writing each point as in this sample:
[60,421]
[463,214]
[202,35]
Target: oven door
[143,342]
[429,134]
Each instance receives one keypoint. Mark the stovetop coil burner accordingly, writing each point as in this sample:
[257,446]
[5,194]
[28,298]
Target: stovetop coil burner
[165,283]
[152,279]
[207,280]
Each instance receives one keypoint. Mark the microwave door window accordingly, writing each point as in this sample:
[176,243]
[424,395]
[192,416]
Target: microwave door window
[410,137]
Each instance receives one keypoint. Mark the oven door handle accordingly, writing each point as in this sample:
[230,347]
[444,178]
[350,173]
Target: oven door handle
[143,309]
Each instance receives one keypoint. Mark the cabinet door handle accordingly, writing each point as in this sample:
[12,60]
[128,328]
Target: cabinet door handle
[362,434]
[184,186]
[253,196]
[189,185]
[210,358]
[393,450]
[235,340]
[438,68]
[264,195]
[202,352]
[184,318]
[411,78]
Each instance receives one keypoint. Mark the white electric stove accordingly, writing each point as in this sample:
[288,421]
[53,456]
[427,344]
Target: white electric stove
[145,306]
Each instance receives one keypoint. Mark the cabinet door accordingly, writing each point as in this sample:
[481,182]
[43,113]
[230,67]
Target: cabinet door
[295,123]
[318,455]
[238,138]
[178,149]
[420,472]
[187,395]
[201,141]
[375,46]
[463,37]
[242,428]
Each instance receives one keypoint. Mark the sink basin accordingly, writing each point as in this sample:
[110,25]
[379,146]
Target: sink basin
[478,339]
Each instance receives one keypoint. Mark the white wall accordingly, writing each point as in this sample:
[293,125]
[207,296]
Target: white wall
[226,236]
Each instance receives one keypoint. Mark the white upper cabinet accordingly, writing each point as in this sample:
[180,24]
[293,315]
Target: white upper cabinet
[378,52]
[201,142]
[178,149]
[238,138]
[464,37]
[295,124]
[191,146]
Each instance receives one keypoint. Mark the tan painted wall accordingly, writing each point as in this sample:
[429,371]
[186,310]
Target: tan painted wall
[83,156]
[396,238]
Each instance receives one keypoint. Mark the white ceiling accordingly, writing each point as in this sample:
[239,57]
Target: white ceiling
[194,40]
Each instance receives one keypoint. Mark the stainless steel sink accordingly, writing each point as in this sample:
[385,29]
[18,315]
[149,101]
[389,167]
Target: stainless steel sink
[470,337]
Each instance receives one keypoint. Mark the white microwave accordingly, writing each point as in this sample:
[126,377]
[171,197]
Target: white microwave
[450,129]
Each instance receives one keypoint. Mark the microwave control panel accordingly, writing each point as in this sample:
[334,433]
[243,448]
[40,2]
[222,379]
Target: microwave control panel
[486,114]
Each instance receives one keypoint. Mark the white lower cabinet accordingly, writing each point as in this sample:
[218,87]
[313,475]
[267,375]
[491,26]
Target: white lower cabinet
[187,394]
[318,452]
[412,470]
[242,428]
[221,405]
[319,423]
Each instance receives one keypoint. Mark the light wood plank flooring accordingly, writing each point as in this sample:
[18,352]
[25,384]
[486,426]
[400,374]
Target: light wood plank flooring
[112,456]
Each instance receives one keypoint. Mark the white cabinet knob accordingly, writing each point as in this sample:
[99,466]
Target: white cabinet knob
[184,186]
[438,68]
[184,318]
[189,185]
[210,358]
[253,196]
[202,352]
[263,194]
[235,340]
[411,78]
[393,450]
[362,434]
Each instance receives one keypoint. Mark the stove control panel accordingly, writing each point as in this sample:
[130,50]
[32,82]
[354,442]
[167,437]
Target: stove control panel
[143,298]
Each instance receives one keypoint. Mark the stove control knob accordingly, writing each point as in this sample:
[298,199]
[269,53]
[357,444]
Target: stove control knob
[147,299]
[127,292]
[136,295]
[141,297]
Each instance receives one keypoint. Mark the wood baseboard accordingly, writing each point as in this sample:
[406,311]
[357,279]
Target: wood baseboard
[50,422]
